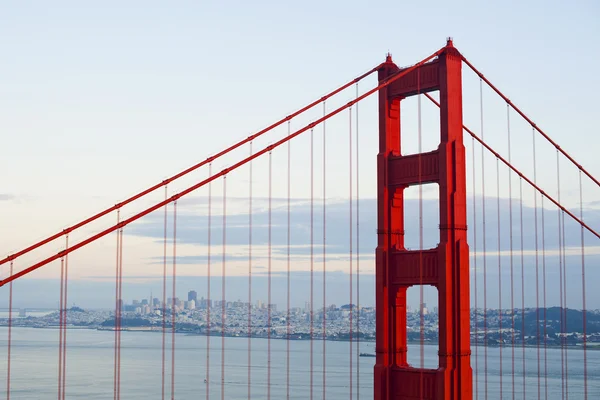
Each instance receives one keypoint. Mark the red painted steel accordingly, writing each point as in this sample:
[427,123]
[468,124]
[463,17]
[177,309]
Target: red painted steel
[395,269]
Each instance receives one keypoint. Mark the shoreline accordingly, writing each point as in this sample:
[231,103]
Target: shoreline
[578,346]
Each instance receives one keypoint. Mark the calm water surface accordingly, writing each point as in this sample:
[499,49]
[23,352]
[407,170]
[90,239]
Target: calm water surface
[90,368]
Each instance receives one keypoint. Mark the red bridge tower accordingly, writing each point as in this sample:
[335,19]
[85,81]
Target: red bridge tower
[445,267]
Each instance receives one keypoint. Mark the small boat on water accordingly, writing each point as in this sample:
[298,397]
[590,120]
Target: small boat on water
[366,355]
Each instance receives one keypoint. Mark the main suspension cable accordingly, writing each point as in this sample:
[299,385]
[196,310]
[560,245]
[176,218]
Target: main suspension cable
[236,165]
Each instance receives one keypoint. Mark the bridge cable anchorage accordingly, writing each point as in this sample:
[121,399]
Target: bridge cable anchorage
[324,254]
[484,254]
[522,287]
[208,272]
[475,292]
[250,276]
[9,341]
[215,176]
[223,287]
[187,171]
[522,176]
[583,294]
[312,255]
[173,305]
[164,295]
[511,245]
[270,269]
[537,274]
[350,229]
[530,122]
[288,326]
[357,254]
[500,335]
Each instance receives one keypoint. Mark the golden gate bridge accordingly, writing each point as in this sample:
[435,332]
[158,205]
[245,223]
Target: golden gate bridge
[454,267]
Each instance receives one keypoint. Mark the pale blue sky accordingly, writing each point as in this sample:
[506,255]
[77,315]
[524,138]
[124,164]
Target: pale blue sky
[98,102]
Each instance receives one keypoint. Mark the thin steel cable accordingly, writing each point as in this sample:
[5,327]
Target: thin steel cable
[544,301]
[499,271]
[312,254]
[522,286]
[583,294]
[64,336]
[250,278]
[560,273]
[208,299]
[475,292]
[357,256]
[60,323]
[512,283]
[117,306]
[564,252]
[484,254]
[289,231]
[164,297]
[269,301]
[9,341]
[120,316]
[223,298]
[537,274]
[173,305]
[324,255]
[350,227]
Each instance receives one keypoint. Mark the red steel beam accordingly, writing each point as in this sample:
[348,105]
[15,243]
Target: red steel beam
[185,172]
[509,165]
[522,114]
[212,178]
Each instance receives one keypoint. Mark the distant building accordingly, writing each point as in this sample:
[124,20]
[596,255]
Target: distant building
[192,295]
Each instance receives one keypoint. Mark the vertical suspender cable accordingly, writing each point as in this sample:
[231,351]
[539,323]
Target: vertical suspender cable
[10,304]
[357,257]
[173,305]
[475,292]
[164,298]
[499,271]
[537,278]
[250,278]
[512,282]
[324,255]
[64,336]
[60,322]
[288,267]
[583,298]
[117,306]
[269,301]
[560,273]
[564,253]
[522,286]
[223,277]
[208,299]
[484,245]
[120,319]
[312,254]
[544,301]
[351,239]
